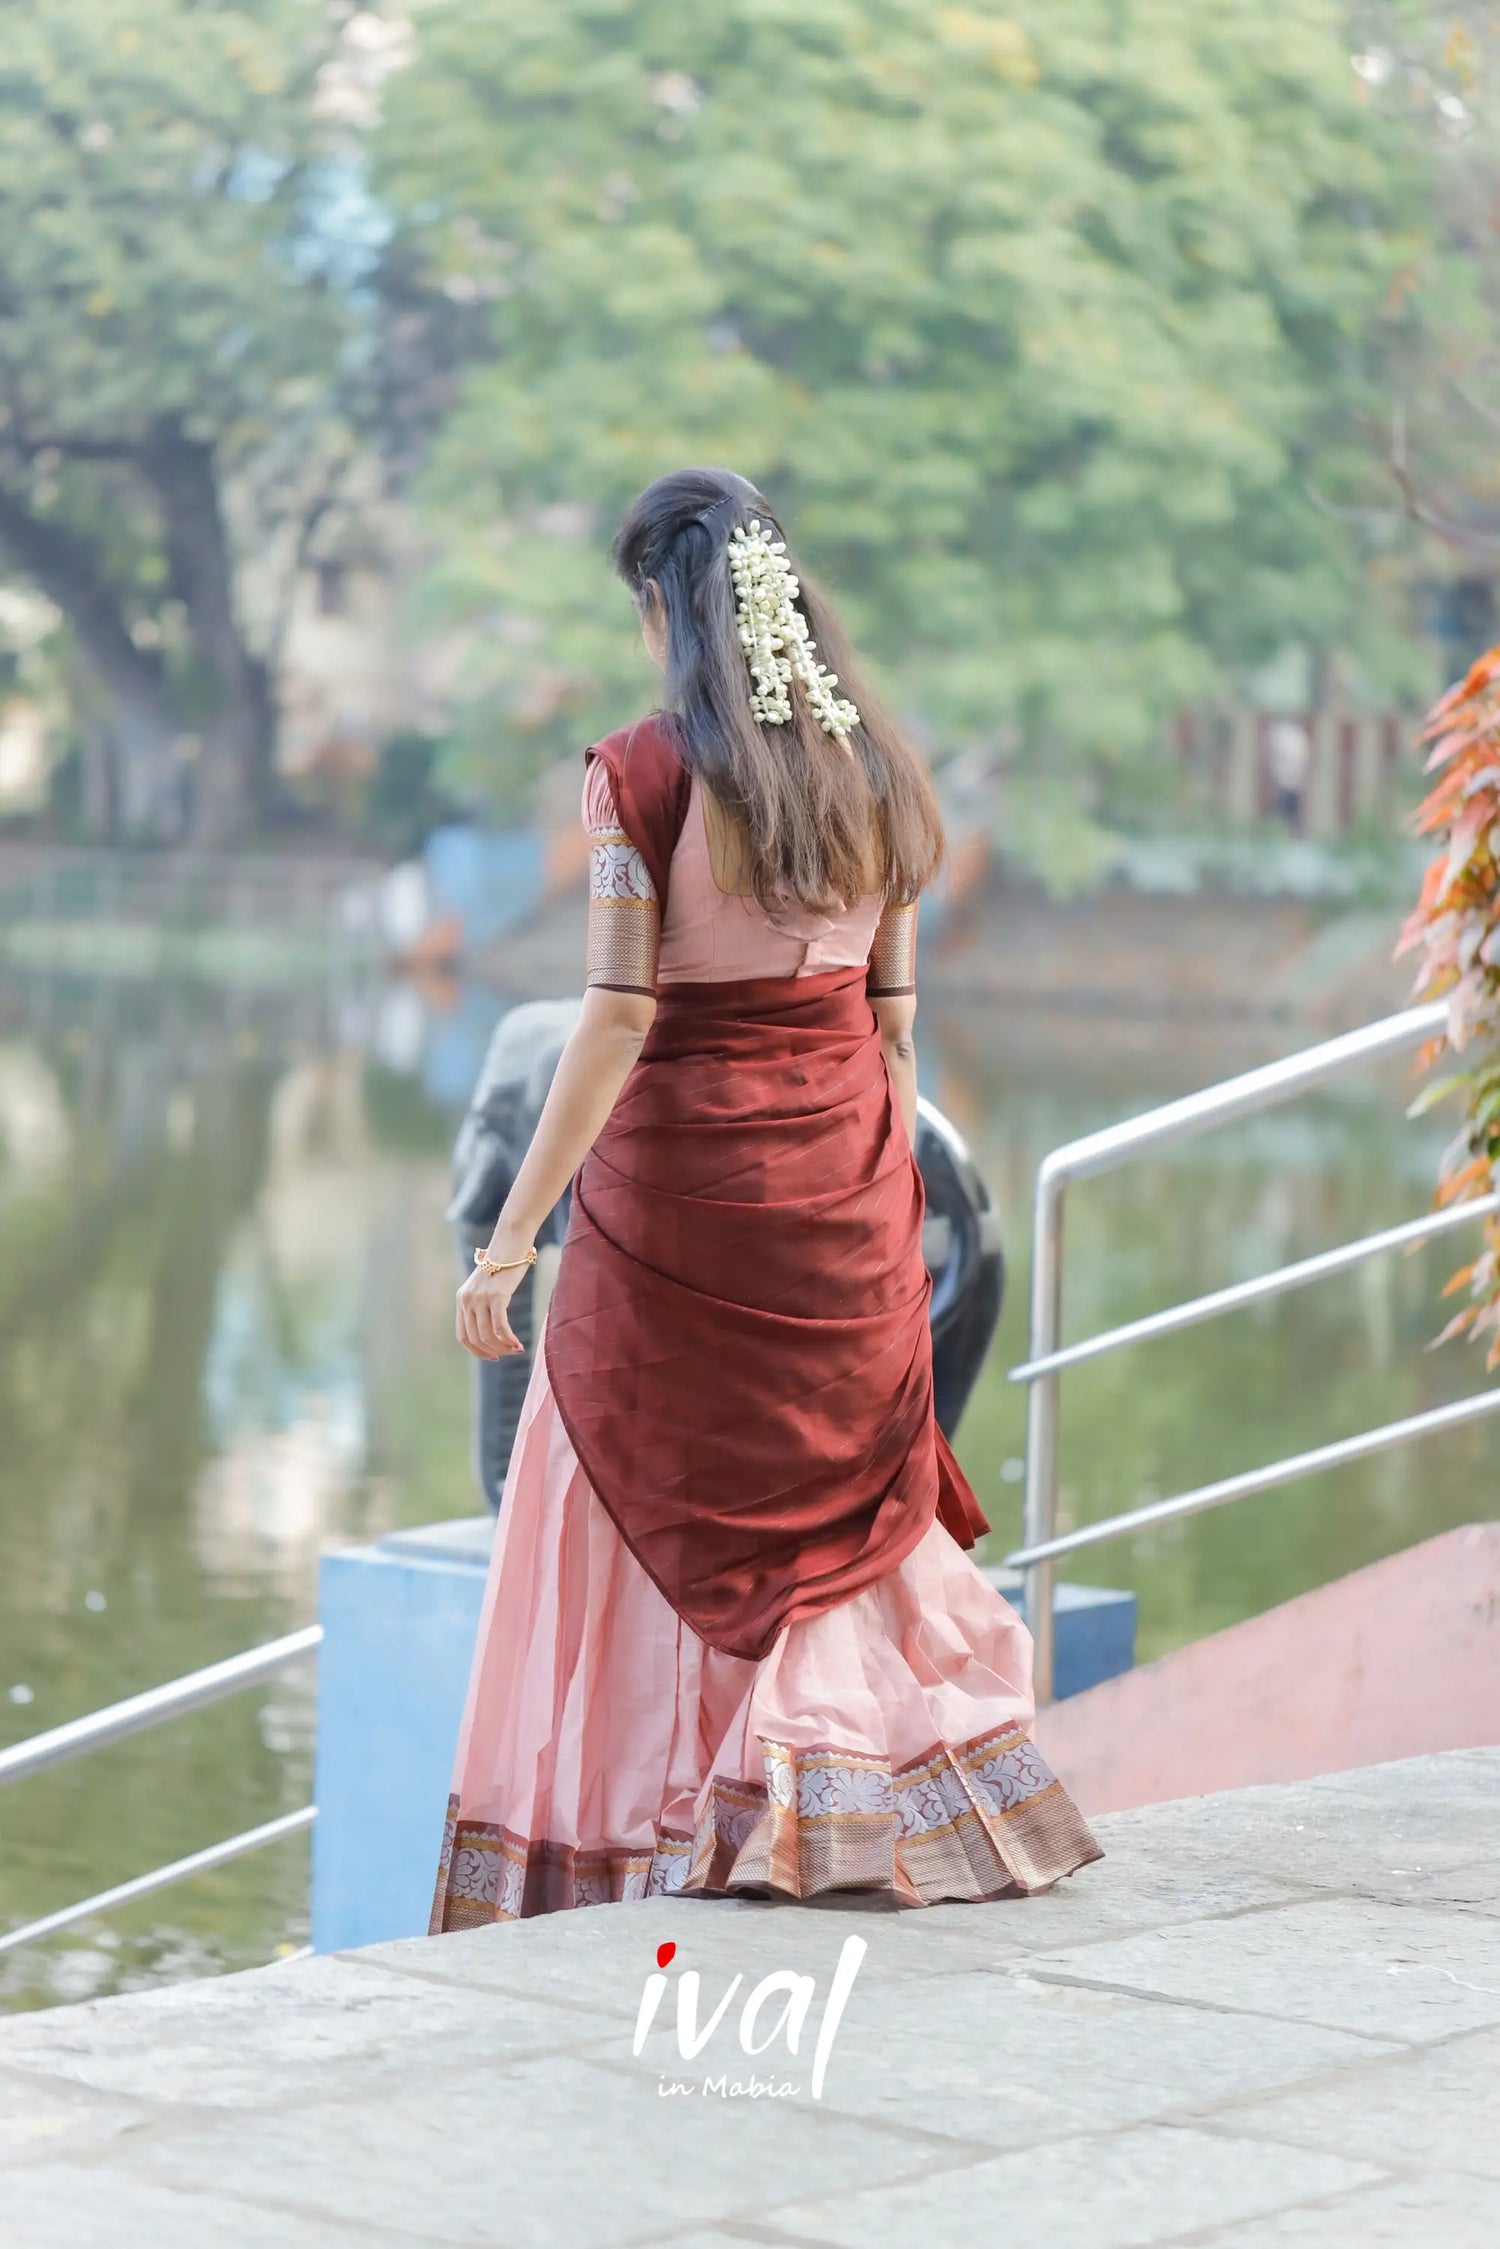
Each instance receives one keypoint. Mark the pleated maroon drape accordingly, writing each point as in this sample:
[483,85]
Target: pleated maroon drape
[738,1338]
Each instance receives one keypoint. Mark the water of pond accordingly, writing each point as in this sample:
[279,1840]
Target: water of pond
[225,1341]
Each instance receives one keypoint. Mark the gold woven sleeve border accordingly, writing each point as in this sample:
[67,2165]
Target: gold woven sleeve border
[893,955]
[624,941]
[624,931]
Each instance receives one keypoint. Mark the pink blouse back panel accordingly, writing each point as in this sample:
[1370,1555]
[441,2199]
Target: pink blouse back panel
[709,935]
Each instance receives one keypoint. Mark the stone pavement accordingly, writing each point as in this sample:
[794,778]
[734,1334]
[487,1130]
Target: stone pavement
[1267,2020]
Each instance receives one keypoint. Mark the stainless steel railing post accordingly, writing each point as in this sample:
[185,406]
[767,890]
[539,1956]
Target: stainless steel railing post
[1043,1406]
[1150,1133]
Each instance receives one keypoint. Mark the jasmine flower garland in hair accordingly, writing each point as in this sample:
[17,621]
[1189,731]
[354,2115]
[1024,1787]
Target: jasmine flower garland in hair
[775,638]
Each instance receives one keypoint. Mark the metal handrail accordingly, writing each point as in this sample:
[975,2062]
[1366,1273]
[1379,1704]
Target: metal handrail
[1159,1128]
[1285,1278]
[1241,1096]
[161,1877]
[1263,1479]
[136,1715]
[139,1712]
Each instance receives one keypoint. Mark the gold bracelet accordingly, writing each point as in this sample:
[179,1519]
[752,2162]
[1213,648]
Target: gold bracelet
[506,1265]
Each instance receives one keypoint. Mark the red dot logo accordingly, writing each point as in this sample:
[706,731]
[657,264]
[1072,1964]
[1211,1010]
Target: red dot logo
[664,1954]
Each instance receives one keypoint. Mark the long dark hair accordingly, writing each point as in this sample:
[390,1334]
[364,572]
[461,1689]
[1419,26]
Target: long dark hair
[818,825]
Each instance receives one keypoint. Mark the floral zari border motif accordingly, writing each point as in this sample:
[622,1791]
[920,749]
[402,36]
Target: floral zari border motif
[979,1820]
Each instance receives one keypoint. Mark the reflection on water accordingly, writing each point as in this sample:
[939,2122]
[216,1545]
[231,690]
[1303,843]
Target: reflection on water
[225,1340]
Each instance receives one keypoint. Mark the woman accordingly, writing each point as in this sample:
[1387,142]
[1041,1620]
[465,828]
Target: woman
[730,1640]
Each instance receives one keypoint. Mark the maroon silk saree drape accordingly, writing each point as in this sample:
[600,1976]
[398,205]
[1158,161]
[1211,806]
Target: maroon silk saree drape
[738,1339]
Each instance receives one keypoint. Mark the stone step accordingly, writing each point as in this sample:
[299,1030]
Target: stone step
[1265,2018]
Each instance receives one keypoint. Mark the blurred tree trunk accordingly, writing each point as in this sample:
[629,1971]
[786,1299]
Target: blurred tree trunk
[142,724]
[181,289]
[139,795]
[233,775]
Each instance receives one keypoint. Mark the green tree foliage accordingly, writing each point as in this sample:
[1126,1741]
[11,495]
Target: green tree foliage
[1032,318]
[1433,449]
[178,365]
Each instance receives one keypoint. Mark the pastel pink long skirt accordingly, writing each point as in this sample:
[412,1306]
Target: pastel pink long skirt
[607,1752]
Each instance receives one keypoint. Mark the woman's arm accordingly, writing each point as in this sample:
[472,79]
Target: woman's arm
[892,987]
[624,935]
[895,1017]
[591,1069]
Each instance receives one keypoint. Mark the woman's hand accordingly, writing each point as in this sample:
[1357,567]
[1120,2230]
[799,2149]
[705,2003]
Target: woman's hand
[483,1322]
[591,1069]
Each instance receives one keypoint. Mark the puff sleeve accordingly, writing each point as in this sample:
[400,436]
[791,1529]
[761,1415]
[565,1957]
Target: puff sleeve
[624,925]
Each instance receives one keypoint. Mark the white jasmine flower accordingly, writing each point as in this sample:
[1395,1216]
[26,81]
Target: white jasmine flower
[765,590]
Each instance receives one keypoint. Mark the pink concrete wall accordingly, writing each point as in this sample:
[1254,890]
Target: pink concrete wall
[1398,1659]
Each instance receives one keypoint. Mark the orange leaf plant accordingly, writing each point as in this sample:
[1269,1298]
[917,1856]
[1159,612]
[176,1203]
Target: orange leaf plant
[1455,930]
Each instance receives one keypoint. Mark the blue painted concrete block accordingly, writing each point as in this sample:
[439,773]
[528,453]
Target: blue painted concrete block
[491,879]
[1093,1631]
[400,1619]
